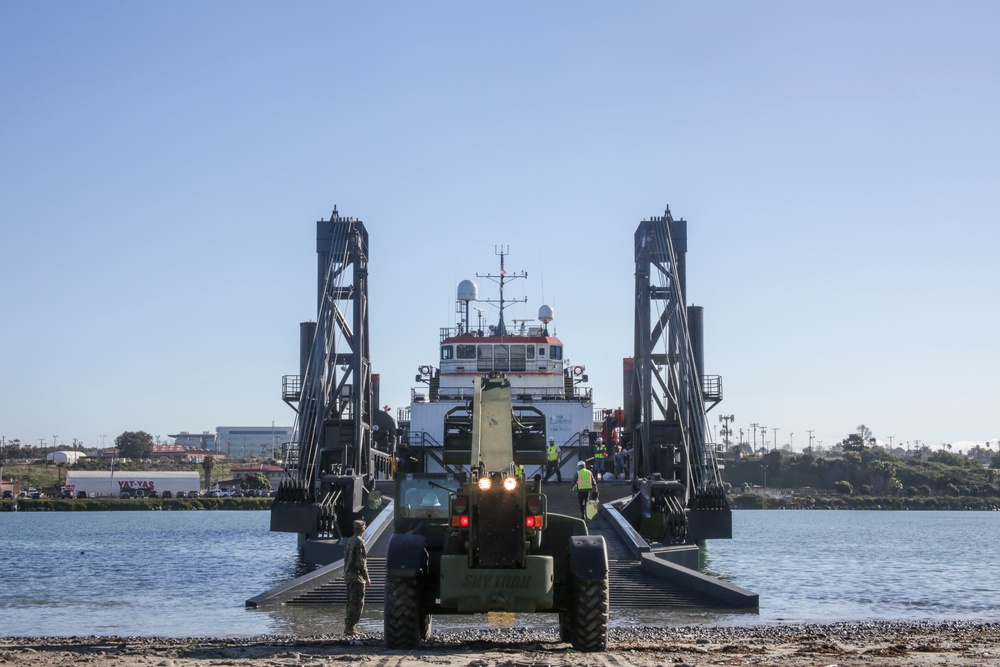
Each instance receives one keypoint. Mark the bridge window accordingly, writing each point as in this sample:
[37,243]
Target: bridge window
[485,362]
[541,351]
[466,352]
[555,352]
[446,352]
[517,358]
[531,351]
[501,357]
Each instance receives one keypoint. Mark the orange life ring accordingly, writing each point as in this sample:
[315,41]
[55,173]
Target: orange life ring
[578,370]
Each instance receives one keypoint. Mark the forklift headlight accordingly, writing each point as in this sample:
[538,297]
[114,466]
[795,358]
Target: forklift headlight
[484,483]
[510,483]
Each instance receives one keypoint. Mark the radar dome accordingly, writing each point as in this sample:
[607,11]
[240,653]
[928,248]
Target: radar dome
[545,314]
[468,291]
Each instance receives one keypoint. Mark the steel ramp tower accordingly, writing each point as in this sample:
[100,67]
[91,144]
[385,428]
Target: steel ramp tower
[676,476]
[331,462]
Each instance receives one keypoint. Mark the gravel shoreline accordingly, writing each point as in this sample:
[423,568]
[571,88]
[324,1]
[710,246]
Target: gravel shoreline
[841,644]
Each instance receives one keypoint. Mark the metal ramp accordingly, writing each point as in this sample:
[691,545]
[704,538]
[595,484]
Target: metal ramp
[633,582]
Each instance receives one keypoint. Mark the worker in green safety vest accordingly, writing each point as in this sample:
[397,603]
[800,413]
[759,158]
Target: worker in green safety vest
[600,453]
[585,485]
[552,460]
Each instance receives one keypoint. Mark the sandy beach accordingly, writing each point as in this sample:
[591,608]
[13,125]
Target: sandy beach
[845,644]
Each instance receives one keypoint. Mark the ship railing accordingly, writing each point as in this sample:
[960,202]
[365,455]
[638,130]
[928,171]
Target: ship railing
[291,387]
[382,464]
[452,332]
[422,439]
[585,394]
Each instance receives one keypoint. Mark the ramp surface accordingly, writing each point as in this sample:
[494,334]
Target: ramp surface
[631,585]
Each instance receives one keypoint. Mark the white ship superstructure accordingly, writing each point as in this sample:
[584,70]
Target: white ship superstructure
[534,360]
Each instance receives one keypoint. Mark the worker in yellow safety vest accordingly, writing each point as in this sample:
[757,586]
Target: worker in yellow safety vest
[599,454]
[552,460]
[585,485]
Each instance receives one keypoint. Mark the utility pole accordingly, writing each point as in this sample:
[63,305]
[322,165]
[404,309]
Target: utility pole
[754,425]
[55,443]
[791,440]
[810,432]
[726,430]
[775,438]
[763,439]
[890,443]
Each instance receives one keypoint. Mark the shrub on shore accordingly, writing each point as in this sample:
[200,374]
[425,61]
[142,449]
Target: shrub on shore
[137,504]
[751,501]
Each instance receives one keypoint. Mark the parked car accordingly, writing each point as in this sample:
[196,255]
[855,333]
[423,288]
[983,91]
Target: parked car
[193,494]
[166,494]
[180,494]
[8,495]
[81,494]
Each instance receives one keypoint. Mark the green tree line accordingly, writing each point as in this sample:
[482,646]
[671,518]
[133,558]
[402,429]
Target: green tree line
[864,468]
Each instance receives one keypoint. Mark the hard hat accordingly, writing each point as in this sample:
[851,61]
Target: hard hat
[600,440]
[552,439]
[580,464]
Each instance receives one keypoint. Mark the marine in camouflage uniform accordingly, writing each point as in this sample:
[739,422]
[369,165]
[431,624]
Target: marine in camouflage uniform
[355,576]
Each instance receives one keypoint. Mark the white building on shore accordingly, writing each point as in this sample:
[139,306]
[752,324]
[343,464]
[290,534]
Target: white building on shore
[69,457]
[105,483]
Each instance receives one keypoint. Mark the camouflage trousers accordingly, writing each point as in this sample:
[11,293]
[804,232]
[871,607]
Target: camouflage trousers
[355,603]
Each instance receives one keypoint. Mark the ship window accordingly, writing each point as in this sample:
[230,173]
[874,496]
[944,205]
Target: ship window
[541,351]
[517,362]
[531,351]
[466,352]
[555,352]
[446,352]
[485,362]
[501,357]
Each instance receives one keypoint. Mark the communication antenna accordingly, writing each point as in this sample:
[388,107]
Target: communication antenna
[502,279]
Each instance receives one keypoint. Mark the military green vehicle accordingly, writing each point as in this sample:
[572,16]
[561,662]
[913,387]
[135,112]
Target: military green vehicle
[480,539]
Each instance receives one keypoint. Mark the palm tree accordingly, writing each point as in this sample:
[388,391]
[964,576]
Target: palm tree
[208,464]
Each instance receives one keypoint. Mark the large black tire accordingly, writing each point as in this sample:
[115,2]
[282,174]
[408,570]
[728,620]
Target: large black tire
[590,615]
[403,624]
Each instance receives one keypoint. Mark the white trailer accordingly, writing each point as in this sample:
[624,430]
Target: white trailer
[104,483]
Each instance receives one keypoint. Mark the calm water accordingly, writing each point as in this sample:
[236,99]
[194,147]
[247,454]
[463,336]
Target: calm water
[183,574]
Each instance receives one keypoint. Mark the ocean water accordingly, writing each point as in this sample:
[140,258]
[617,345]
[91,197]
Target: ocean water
[188,574]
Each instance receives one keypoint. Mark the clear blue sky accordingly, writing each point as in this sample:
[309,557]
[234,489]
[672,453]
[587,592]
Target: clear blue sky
[164,164]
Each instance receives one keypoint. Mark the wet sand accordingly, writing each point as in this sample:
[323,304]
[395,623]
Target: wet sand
[843,644]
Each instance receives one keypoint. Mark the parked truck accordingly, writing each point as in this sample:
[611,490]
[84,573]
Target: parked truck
[480,538]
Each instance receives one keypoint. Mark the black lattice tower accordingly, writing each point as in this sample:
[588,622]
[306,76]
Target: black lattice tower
[667,397]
